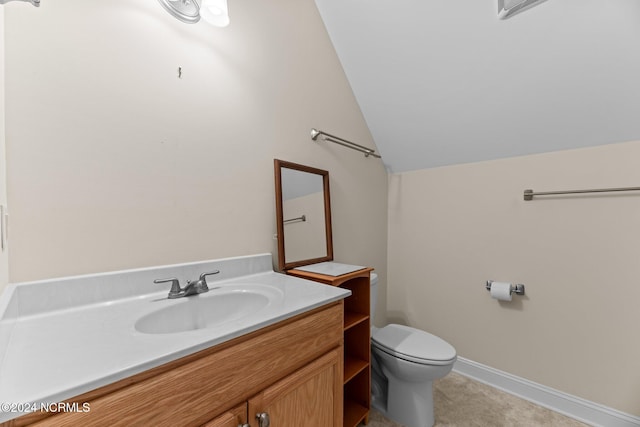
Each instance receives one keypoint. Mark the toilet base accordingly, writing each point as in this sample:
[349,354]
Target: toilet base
[420,415]
[411,404]
[409,390]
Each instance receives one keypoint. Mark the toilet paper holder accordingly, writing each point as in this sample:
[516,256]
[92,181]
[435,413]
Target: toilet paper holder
[514,289]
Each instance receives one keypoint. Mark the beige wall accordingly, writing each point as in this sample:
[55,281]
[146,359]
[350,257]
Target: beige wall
[4,260]
[576,330]
[115,162]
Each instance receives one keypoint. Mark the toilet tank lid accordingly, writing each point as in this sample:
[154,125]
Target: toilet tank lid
[414,343]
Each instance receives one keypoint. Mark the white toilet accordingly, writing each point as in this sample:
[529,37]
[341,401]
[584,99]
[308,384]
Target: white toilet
[405,361]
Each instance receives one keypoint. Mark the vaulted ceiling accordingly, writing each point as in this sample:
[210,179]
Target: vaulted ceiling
[444,82]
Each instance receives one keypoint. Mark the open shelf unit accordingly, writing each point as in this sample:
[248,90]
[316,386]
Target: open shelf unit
[357,341]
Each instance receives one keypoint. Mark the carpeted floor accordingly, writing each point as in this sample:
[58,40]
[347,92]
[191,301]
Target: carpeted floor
[462,402]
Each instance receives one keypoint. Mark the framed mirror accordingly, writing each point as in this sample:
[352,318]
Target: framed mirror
[303,215]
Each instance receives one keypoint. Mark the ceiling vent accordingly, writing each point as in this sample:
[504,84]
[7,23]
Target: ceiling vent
[508,8]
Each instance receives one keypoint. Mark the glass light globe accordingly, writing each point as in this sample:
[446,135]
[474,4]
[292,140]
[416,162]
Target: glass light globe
[215,12]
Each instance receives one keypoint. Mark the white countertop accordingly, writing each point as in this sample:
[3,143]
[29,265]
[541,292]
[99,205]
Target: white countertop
[331,268]
[86,338]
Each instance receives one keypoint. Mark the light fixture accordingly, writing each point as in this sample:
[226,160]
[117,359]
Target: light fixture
[215,12]
[508,8]
[33,2]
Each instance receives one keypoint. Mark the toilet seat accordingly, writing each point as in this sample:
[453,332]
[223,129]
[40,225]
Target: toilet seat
[413,345]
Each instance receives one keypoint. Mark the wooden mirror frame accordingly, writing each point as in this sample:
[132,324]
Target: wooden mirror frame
[282,264]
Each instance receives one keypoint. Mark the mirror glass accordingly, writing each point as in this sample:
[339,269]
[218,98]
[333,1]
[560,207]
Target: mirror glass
[303,215]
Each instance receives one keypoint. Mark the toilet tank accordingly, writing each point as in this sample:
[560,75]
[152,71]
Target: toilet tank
[374,294]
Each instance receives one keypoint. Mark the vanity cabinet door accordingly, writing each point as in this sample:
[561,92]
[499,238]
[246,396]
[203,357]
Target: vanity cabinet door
[235,417]
[310,397]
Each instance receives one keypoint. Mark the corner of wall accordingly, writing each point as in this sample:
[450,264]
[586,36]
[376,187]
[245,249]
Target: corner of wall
[4,264]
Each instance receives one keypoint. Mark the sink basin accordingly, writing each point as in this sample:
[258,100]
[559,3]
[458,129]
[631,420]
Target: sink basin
[208,310]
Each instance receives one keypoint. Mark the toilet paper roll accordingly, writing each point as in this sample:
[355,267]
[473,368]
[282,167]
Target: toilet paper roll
[501,291]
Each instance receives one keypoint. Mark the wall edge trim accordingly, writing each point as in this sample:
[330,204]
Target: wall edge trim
[575,407]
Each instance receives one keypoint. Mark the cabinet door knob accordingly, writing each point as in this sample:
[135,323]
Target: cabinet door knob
[263,419]
[244,425]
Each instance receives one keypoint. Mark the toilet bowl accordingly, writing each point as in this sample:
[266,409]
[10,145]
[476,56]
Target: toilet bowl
[405,361]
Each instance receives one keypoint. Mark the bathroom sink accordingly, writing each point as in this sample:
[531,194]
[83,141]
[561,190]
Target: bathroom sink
[208,310]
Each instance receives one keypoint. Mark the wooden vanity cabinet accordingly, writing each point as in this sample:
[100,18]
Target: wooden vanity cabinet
[357,341]
[291,370]
[235,417]
[305,398]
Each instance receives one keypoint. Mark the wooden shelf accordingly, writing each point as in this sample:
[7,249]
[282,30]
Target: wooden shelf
[352,367]
[352,319]
[354,413]
[357,341]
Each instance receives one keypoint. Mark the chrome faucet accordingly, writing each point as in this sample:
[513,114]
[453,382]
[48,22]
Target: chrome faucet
[191,288]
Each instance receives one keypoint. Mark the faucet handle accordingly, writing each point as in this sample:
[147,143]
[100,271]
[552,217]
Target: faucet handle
[204,275]
[175,285]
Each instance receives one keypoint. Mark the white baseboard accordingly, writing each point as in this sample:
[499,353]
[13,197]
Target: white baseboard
[572,406]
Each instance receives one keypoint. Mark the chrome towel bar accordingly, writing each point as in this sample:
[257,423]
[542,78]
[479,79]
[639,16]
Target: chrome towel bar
[345,143]
[302,218]
[529,194]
